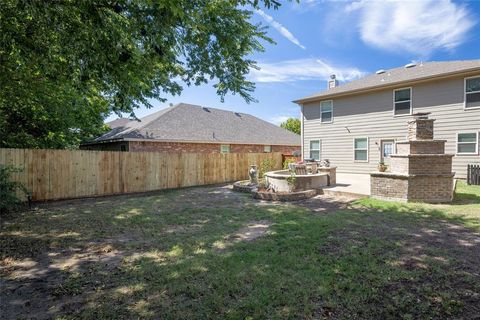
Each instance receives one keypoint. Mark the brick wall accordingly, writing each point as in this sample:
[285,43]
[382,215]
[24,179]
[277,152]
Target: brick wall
[286,149]
[420,129]
[421,147]
[430,164]
[431,188]
[388,186]
[173,147]
[398,164]
[424,164]
[179,147]
[110,146]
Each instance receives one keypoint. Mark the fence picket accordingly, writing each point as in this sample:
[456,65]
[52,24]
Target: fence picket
[473,174]
[65,174]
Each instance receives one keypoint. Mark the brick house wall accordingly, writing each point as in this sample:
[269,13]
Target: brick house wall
[110,146]
[180,147]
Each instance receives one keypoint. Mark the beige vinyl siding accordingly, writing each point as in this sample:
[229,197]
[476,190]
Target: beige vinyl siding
[371,115]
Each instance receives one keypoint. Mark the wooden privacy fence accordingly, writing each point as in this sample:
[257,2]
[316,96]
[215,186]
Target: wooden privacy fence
[63,174]
[473,174]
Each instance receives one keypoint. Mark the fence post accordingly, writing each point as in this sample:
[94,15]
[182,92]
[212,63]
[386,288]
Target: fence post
[468,174]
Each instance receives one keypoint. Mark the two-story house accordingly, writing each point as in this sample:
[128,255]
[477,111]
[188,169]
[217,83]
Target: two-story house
[355,125]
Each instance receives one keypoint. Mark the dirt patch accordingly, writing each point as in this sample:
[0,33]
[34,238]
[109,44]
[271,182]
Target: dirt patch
[50,283]
[251,232]
[64,257]
[325,204]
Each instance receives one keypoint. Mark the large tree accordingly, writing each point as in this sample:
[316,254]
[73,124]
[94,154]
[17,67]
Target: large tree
[67,64]
[292,124]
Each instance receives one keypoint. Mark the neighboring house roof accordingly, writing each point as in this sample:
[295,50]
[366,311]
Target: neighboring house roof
[191,123]
[397,76]
[120,122]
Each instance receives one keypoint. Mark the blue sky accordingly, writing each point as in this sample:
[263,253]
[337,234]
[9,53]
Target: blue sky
[316,38]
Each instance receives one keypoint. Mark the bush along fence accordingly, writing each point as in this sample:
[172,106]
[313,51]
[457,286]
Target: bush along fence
[65,174]
[473,174]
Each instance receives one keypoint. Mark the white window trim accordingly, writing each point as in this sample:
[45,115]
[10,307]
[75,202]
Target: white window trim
[224,145]
[467,153]
[319,149]
[411,102]
[394,150]
[465,94]
[355,149]
[331,121]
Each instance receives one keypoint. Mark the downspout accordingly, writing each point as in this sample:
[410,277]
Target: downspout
[301,129]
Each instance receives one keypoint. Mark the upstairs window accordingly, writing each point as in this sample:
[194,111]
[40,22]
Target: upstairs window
[402,101]
[225,148]
[326,111]
[360,149]
[467,143]
[315,149]
[472,92]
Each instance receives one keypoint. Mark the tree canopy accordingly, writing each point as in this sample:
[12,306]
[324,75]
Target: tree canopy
[67,64]
[292,124]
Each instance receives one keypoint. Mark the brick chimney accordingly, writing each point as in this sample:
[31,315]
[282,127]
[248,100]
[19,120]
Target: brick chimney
[420,128]
[332,82]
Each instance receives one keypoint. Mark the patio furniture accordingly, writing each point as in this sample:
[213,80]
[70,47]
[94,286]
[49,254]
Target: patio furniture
[300,169]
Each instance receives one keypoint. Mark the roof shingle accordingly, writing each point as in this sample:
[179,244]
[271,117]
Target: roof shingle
[398,76]
[186,122]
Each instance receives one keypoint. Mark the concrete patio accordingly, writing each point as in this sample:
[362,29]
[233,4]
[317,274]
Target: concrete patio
[354,185]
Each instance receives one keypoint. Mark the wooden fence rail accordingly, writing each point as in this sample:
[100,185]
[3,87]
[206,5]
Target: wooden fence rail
[473,174]
[64,174]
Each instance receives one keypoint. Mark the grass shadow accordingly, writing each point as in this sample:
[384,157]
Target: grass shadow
[466,194]
[373,260]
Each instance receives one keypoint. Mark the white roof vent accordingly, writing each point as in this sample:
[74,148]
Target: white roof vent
[410,65]
[380,71]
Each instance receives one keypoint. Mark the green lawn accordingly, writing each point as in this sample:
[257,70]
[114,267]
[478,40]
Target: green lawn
[180,255]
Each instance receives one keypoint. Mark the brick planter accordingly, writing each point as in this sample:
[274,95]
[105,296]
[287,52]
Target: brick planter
[284,196]
[332,174]
[244,186]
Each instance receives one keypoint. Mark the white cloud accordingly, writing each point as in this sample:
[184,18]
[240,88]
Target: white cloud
[280,28]
[418,27]
[302,69]
[277,120]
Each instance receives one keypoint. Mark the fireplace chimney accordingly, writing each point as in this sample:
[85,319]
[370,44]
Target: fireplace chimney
[332,82]
[421,127]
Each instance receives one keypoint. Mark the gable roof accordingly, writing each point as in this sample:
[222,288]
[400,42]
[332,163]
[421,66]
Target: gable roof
[401,75]
[192,123]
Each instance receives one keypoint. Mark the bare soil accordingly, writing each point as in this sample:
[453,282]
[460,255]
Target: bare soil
[64,257]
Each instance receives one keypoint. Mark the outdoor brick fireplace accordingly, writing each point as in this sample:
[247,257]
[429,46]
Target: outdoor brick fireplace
[419,170]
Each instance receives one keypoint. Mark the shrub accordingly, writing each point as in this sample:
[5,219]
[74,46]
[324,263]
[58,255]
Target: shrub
[287,162]
[291,180]
[9,198]
[267,165]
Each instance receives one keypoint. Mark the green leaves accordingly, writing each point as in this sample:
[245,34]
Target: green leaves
[292,124]
[66,65]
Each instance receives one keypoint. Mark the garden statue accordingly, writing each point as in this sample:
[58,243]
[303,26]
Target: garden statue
[252,173]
